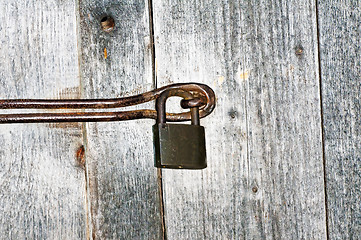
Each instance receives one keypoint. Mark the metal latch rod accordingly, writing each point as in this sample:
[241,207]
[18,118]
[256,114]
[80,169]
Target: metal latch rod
[204,98]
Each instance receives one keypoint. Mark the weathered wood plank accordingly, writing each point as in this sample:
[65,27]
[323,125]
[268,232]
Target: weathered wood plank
[265,176]
[42,188]
[340,56]
[122,180]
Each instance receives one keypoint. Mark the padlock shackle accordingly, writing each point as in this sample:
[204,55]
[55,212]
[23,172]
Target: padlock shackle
[161,104]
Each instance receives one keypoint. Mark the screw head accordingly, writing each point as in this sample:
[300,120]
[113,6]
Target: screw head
[107,24]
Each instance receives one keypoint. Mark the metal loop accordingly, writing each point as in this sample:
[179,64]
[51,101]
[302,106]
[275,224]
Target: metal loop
[161,107]
[195,102]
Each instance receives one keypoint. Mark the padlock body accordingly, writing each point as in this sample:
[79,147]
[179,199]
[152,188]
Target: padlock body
[179,146]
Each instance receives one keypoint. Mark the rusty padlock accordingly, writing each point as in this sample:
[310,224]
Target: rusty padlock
[178,146]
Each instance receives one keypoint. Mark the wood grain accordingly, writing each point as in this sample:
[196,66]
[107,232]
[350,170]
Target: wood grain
[265,175]
[340,56]
[42,187]
[124,195]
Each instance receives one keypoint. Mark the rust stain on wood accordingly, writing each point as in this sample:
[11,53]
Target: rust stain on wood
[80,156]
[105,53]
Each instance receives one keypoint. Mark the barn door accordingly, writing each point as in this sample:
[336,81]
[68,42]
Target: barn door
[281,163]
[265,174]
[77,181]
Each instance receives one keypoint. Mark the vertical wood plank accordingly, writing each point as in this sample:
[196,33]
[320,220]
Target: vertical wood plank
[122,180]
[265,176]
[42,187]
[340,56]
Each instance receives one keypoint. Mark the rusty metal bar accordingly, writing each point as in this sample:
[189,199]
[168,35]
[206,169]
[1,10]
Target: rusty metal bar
[203,97]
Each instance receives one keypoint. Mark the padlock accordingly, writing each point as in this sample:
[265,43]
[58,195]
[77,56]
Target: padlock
[178,146]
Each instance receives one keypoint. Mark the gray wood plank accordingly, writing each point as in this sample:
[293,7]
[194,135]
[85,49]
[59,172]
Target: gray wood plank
[265,175]
[42,187]
[124,201]
[340,57]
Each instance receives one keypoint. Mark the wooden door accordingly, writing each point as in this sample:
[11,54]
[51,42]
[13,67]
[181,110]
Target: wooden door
[283,143]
